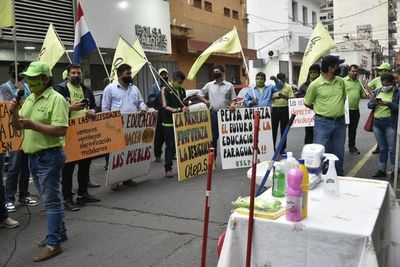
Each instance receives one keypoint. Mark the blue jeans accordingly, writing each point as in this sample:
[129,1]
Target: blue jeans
[46,167]
[18,173]
[332,135]
[385,134]
[3,211]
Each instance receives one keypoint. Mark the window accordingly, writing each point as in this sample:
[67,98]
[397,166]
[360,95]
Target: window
[227,12]
[314,18]
[305,16]
[330,27]
[235,14]
[197,3]
[208,6]
[295,16]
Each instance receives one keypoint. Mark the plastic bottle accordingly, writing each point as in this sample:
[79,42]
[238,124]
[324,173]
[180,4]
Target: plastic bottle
[278,182]
[304,188]
[331,184]
[294,195]
[292,162]
[285,167]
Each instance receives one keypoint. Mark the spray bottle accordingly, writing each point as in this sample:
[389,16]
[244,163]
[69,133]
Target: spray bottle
[304,186]
[331,183]
[294,195]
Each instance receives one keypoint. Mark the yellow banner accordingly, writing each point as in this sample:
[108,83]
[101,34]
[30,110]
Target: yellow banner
[228,44]
[10,138]
[6,14]
[319,44]
[193,138]
[128,54]
[52,49]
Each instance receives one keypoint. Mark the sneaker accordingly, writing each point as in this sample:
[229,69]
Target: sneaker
[70,205]
[376,151]
[92,184]
[379,174]
[354,151]
[10,207]
[86,198]
[158,159]
[29,201]
[105,167]
[129,183]
[47,253]
[115,186]
[42,243]
[9,223]
[169,174]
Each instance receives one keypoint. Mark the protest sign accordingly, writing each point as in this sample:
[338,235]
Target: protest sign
[193,138]
[236,131]
[90,137]
[10,138]
[134,160]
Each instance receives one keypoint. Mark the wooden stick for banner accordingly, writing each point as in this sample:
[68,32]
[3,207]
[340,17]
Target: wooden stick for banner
[252,187]
[207,207]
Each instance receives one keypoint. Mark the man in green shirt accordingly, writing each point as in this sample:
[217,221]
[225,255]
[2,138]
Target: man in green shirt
[354,91]
[326,96]
[44,119]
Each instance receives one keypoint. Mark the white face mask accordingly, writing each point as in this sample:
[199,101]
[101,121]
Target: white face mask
[386,88]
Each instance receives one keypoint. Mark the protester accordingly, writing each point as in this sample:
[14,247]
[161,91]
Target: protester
[44,119]
[155,102]
[280,109]
[385,104]
[172,97]
[326,96]
[376,83]
[354,90]
[81,103]
[260,95]
[220,94]
[313,73]
[124,96]
[18,170]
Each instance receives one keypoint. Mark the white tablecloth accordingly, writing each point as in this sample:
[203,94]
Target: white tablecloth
[361,227]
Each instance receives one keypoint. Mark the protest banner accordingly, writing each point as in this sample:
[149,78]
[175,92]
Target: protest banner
[134,160]
[10,138]
[193,138]
[90,137]
[236,137]
[305,115]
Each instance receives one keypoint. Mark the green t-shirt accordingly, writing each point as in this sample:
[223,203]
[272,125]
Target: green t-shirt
[76,93]
[327,97]
[51,109]
[354,92]
[282,102]
[383,111]
[375,83]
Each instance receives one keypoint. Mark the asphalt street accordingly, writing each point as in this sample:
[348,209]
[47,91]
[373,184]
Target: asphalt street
[157,223]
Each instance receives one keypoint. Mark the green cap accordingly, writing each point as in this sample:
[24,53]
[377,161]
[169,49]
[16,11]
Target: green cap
[65,74]
[384,66]
[162,70]
[37,68]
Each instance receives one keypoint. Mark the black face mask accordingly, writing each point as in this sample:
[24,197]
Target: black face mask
[217,75]
[127,79]
[75,80]
[337,72]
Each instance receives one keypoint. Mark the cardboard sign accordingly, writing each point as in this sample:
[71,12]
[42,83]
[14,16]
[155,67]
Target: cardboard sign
[88,138]
[10,138]
[236,131]
[193,138]
[134,160]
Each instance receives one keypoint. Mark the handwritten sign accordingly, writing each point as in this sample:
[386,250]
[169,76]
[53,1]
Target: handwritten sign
[10,138]
[304,115]
[236,131]
[193,138]
[88,138]
[134,160]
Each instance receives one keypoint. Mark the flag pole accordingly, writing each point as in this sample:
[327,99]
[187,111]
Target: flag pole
[247,70]
[102,60]
[15,47]
[154,76]
[65,50]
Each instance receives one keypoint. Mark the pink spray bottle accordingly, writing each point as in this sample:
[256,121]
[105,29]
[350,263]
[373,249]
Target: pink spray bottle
[294,195]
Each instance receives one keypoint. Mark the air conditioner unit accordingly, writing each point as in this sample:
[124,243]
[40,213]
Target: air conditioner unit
[258,63]
[273,53]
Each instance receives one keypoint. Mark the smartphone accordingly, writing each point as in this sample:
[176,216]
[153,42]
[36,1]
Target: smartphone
[85,101]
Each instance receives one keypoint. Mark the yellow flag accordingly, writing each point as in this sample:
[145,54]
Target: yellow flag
[6,14]
[128,54]
[319,44]
[52,49]
[229,44]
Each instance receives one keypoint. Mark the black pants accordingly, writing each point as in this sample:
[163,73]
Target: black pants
[169,147]
[354,119]
[309,138]
[83,177]
[215,131]
[3,211]
[279,115]
[159,139]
